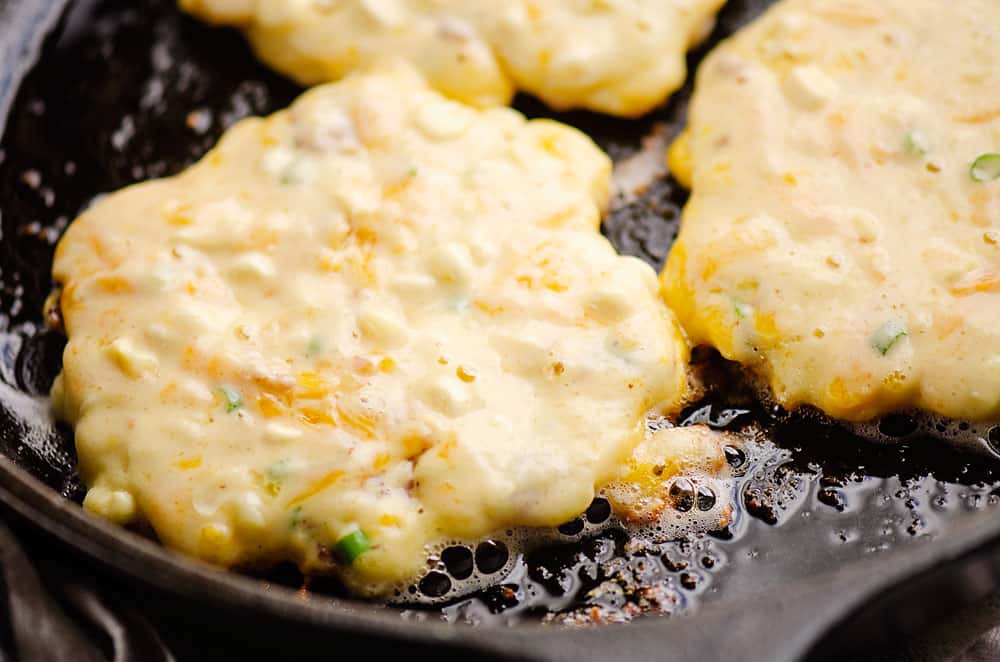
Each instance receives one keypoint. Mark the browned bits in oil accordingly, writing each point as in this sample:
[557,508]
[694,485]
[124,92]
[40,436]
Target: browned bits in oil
[558,368]
[31,178]
[53,311]
[199,121]
[832,497]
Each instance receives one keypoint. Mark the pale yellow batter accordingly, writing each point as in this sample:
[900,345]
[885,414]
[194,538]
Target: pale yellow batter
[373,322]
[615,56]
[843,233]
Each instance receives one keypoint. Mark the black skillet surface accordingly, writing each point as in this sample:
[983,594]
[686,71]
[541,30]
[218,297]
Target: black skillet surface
[838,547]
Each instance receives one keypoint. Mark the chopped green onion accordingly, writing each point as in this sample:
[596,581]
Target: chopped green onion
[916,143]
[887,336]
[412,172]
[278,470]
[351,546]
[742,310]
[290,177]
[296,517]
[986,168]
[315,346]
[233,399]
[276,473]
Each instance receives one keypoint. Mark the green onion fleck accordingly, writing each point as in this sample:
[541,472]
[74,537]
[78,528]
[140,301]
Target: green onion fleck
[315,346]
[278,470]
[233,399]
[296,518]
[276,473]
[742,310]
[916,143]
[986,168]
[412,172]
[887,336]
[351,546]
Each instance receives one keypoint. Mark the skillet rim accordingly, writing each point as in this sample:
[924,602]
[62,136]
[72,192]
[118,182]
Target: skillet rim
[831,599]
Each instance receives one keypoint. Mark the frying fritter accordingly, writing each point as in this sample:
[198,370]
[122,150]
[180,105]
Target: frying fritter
[372,322]
[843,233]
[615,56]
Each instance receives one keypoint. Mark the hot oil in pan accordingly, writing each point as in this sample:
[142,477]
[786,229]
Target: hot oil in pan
[135,91]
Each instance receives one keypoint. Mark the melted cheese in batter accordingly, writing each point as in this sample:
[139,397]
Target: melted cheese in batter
[377,310]
[837,239]
[615,56]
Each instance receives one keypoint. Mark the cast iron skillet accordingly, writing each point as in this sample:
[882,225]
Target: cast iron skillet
[805,597]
